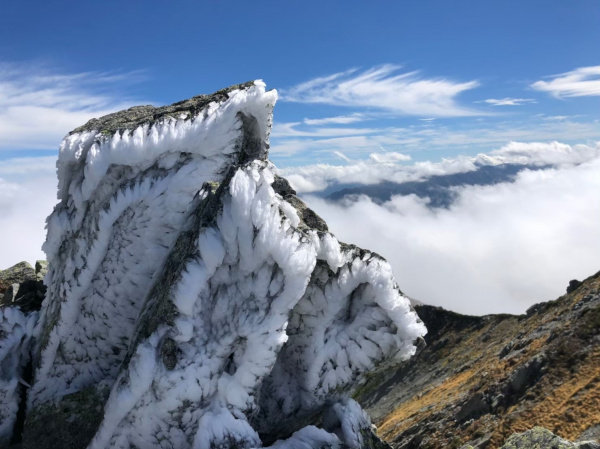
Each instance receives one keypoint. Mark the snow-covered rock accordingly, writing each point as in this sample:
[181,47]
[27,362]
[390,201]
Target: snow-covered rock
[211,304]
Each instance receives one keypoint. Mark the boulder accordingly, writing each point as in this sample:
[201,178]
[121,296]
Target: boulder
[540,438]
[15,275]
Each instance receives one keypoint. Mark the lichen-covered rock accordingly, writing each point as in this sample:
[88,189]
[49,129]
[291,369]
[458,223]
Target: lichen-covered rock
[540,438]
[214,306]
[15,275]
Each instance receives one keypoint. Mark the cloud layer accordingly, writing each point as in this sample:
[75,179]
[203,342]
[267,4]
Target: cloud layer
[508,101]
[389,166]
[498,249]
[385,89]
[27,196]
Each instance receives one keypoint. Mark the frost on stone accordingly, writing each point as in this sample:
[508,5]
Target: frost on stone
[16,329]
[189,278]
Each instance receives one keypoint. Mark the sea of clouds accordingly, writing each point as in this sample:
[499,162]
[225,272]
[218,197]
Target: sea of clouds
[498,248]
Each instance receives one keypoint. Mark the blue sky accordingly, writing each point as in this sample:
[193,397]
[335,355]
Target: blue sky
[97,57]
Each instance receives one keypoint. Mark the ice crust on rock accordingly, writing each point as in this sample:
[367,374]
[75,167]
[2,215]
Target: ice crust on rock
[188,277]
[16,329]
[124,198]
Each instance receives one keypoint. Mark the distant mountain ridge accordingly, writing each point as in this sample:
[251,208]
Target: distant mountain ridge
[440,189]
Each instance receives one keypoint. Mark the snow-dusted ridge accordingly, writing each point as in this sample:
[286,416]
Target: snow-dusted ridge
[190,282]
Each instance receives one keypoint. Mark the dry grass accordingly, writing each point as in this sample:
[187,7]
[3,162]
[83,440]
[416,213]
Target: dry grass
[569,408]
[434,400]
[566,400]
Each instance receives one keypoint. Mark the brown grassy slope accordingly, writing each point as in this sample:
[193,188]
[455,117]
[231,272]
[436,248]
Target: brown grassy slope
[480,379]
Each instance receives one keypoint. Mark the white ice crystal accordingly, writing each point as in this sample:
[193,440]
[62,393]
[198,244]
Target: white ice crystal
[124,199]
[16,330]
[181,275]
[250,274]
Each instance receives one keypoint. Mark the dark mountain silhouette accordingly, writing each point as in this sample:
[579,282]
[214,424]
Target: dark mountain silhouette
[440,189]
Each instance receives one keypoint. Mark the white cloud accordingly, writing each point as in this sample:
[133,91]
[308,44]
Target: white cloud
[27,196]
[385,167]
[290,129]
[338,120]
[38,106]
[389,157]
[356,142]
[383,88]
[584,81]
[499,248]
[507,101]
[342,156]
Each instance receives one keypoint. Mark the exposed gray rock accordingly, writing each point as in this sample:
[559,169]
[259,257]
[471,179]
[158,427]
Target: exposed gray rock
[141,115]
[15,275]
[540,438]
[591,433]
[66,424]
[41,268]
[475,407]
[525,376]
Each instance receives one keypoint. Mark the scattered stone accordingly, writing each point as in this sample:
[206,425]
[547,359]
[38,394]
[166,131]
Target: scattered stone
[475,407]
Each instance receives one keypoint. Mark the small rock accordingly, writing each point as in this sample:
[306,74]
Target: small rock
[525,376]
[573,285]
[41,268]
[475,407]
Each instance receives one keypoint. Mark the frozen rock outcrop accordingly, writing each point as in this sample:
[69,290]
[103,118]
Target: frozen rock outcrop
[196,298]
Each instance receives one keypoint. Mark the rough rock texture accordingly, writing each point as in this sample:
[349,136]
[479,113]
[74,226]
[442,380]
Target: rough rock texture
[41,268]
[27,296]
[193,300]
[481,379]
[540,438]
[15,275]
[68,424]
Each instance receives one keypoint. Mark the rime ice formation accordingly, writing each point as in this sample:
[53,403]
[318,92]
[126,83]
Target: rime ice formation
[16,329]
[193,289]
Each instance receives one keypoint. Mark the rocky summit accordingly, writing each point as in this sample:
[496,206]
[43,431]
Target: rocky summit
[193,300]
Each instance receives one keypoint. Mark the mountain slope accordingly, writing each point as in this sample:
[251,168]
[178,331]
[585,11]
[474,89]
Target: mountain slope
[481,379]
